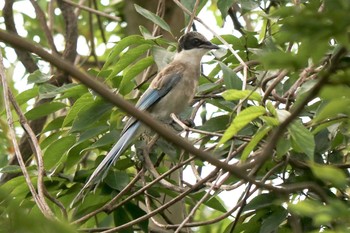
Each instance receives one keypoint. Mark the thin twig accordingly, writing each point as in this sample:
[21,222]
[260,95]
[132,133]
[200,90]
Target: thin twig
[110,205]
[107,206]
[88,9]
[39,200]
[193,14]
[163,207]
[36,149]
[186,128]
[42,19]
[155,174]
[278,80]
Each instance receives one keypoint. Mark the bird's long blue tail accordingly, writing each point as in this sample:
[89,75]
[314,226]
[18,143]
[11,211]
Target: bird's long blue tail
[101,171]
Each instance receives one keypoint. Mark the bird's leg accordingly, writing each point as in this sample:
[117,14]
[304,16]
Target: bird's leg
[184,124]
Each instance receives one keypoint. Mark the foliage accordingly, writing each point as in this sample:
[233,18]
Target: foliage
[282,115]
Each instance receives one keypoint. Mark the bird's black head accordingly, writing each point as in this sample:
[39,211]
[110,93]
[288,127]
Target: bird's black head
[194,40]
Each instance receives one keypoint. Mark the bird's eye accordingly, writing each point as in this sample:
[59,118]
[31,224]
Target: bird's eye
[196,42]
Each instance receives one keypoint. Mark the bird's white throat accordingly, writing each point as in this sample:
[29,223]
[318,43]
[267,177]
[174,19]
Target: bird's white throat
[193,56]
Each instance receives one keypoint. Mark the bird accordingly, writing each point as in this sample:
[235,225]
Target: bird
[169,92]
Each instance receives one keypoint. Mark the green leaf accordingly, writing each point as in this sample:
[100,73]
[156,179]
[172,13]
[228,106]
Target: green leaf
[283,146]
[136,212]
[126,85]
[302,139]
[330,92]
[258,136]
[271,108]
[212,202]
[106,139]
[54,124]
[26,95]
[231,80]
[75,91]
[93,132]
[281,59]
[127,58]
[44,110]
[120,217]
[262,201]
[153,17]
[330,174]
[146,33]
[241,94]
[38,77]
[81,103]
[208,87]
[241,120]
[232,40]
[50,139]
[274,219]
[332,109]
[117,180]
[57,150]
[89,116]
[15,187]
[249,4]
[271,121]
[11,169]
[49,91]
[216,123]
[223,6]
[74,154]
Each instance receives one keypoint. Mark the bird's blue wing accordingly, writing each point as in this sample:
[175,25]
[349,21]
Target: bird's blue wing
[153,95]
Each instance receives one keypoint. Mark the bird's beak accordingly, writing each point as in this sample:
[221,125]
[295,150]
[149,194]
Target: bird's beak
[209,45]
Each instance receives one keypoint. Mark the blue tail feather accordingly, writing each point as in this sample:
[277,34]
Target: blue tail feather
[101,171]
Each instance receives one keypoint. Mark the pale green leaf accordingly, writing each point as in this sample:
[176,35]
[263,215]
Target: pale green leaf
[26,95]
[260,134]
[329,174]
[271,121]
[49,91]
[241,120]
[332,109]
[233,94]
[11,169]
[38,77]
[271,108]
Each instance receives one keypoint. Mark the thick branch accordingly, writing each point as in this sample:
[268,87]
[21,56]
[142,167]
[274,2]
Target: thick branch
[23,56]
